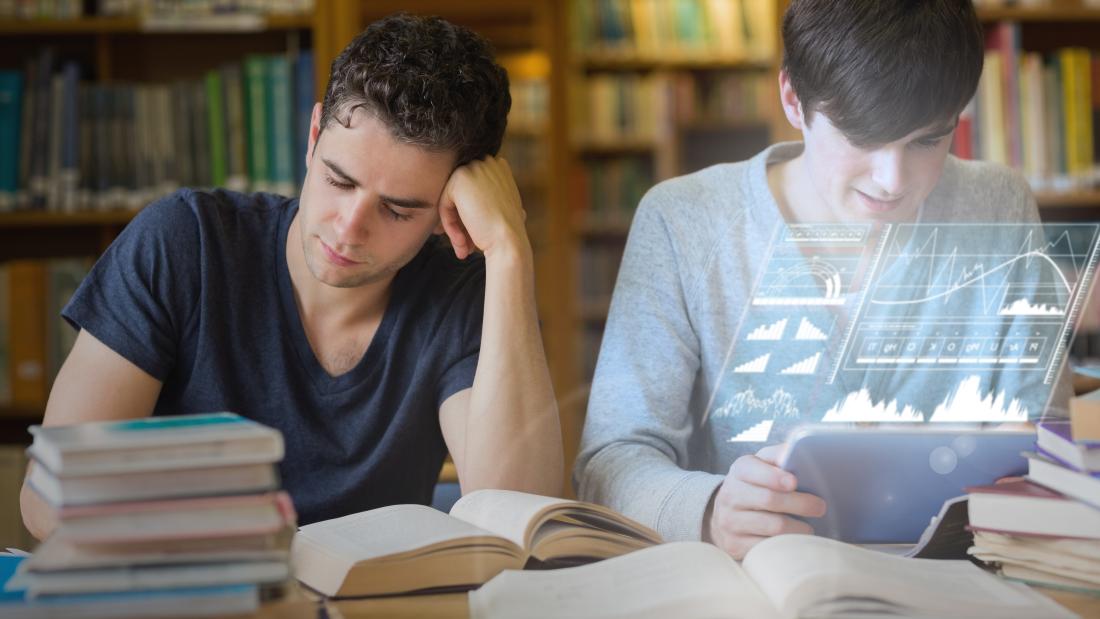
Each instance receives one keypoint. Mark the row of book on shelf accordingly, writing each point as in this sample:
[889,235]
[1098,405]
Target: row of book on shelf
[728,29]
[631,106]
[68,144]
[74,9]
[176,515]
[1038,113]
[34,339]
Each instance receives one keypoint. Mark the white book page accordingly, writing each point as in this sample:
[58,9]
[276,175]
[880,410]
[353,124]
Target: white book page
[388,530]
[797,572]
[503,512]
[680,579]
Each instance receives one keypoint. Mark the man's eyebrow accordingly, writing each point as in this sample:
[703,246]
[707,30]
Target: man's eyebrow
[404,202]
[338,171]
[394,200]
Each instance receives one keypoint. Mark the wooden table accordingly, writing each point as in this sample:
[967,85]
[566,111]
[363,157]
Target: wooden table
[453,605]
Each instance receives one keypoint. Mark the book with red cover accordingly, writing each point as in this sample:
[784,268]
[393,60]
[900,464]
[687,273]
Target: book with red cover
[1025,508]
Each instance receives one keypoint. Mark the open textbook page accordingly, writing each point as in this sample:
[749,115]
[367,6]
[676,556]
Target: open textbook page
[785,577]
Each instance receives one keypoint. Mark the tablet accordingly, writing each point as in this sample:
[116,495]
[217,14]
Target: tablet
[883,484]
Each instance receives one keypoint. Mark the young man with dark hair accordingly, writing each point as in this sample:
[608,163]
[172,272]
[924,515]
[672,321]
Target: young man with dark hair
[876,89]
[339,317]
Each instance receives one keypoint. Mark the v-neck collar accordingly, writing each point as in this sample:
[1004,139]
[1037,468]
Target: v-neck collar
[369,365]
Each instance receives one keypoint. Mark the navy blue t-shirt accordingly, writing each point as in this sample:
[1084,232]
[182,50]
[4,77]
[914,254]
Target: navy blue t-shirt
[196,292]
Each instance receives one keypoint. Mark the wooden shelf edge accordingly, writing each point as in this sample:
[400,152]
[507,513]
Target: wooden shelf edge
[1071,199]
[1040,13]
[32,219]
[639,146]
[594,311]
[133,24]
[632,61]
[616,229]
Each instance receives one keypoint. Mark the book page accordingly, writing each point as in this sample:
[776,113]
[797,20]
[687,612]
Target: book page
[799,572]
[388,530]
[682,579]
[504,512]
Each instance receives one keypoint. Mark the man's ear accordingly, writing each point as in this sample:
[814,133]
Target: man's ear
[314,132]
[792,107]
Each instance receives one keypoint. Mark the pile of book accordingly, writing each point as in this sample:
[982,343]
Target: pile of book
[1045,529]
[158,517]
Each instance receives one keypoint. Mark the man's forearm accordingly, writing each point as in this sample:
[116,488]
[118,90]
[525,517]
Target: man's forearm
[38,517]
[513,434]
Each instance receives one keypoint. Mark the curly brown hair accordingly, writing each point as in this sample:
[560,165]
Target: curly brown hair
[432,83]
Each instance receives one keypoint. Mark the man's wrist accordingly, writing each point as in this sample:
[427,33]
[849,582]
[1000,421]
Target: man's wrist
[512,251]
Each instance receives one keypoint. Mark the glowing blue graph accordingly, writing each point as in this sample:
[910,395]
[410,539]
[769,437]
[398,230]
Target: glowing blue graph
[756,366]
[772,332]
[779,404]
[965,403]
[946,270]
[808,331]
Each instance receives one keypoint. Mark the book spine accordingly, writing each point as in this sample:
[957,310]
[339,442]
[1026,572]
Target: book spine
[181,135]
[236,158]
[215,110]
[5,335]
[255,68]
[27,135]
[280,125]
[27,313]
[11,94]
[200,112]
[39,171]
[304,78]
[70,136]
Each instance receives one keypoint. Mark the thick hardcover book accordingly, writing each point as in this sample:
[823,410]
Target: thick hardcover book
[403,548]
[155,444]
[1055,437]
[1026,508]
[781,577]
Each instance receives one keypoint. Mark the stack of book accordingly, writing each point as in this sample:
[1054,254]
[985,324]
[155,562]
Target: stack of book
[1045,529]
[183,507]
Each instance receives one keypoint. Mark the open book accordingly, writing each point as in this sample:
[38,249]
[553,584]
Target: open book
[403,548]
[781,578]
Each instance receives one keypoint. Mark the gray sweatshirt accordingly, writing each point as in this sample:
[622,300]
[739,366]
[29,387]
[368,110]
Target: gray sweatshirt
[674,402]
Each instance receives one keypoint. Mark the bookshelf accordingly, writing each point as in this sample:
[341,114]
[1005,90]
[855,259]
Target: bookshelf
[1059,157]
[1043,130]
[683,86]
[111,52]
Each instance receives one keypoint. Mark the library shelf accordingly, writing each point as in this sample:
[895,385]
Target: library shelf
[1063,12]
[136,25]
[594,311]
[590,228]
[611,61]
[1083,199]
[48,219]
[624,146]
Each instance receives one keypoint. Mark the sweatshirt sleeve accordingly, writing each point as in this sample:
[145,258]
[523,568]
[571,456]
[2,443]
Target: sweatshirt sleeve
[634,449]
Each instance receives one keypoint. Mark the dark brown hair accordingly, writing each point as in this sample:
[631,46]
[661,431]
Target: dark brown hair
[432,83]
[881,69]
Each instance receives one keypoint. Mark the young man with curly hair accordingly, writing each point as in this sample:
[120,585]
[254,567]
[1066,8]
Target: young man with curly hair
[341,317]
